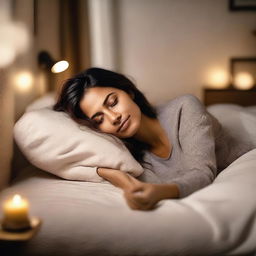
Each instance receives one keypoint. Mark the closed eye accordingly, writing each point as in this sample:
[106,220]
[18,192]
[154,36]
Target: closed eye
[98,121]
[98,118]
[113,103]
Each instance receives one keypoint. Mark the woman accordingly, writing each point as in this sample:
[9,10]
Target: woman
[182,143]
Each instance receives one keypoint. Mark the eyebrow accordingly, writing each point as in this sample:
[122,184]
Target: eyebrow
[104,104]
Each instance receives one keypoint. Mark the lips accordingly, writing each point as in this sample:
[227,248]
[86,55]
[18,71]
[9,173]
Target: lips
[124,124]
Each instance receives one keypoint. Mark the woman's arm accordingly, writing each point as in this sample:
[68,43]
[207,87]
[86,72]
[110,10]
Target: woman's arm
[167,191]
[197,143]
[139,195]
[116,177]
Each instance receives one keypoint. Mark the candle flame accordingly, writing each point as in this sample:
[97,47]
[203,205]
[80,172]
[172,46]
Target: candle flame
[16,199]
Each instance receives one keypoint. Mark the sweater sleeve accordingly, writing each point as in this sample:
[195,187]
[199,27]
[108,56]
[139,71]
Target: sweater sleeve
[196,139]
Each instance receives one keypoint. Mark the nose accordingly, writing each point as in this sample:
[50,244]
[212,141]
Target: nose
[114,117]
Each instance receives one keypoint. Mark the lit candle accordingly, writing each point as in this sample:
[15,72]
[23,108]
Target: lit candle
[16,213]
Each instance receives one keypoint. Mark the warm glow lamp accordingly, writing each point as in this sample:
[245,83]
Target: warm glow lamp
[47,62]
[23,80]
[218,78]
[243,81]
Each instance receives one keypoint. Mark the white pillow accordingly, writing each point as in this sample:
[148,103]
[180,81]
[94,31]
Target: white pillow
[45,101]
[249,123]
[238,120]
[53,142]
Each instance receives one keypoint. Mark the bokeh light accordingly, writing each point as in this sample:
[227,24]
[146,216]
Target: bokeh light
[60,66]
[243,81]
[218,78]
[23,81]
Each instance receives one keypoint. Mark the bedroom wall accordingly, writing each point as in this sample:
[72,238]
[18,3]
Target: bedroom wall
[15,41]
[50,25]
[169,46]
[44,36]
[44,20]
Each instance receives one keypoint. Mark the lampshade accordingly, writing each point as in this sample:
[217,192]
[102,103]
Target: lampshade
[45,61]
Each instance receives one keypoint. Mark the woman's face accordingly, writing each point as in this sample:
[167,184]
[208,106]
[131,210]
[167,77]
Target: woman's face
[112,110]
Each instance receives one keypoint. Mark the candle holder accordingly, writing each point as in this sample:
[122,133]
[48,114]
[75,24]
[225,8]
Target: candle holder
[19,234]
[16,226]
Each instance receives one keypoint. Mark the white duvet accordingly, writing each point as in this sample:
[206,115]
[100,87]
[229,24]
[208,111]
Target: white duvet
[85,218]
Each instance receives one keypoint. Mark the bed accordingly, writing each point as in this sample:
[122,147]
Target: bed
[92,218]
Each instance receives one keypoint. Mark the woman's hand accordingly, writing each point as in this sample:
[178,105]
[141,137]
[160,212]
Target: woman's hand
[140,195]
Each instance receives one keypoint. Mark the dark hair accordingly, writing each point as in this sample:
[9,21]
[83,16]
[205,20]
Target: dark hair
[74,88]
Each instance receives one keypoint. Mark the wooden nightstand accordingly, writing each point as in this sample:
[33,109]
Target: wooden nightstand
[230,95]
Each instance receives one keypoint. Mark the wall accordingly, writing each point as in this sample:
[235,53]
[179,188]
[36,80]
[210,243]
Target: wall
[103,35]
[169,46]
[44,36]
[60,28]
[166,46]
[14,42]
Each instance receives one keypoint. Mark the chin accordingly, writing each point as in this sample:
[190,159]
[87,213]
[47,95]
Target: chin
[130,132]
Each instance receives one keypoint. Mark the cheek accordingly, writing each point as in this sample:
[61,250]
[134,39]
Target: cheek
[132,108]
[106,127]
[135,121]
[136,112]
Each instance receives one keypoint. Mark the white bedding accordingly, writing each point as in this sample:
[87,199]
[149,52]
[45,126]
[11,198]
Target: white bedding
[85,218]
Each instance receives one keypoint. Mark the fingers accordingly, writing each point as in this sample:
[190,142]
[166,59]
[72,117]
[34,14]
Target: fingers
[138,194]
[135,206]
[140,197]
[135,188]
[135,185]
[136,202]
[134,181]
[131,202]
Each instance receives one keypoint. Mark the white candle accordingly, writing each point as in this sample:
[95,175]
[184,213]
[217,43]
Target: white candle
[16,212]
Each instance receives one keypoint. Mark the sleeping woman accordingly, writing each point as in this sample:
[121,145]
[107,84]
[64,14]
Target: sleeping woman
[181,146]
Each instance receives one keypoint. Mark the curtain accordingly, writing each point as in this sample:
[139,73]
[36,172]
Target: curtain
[74,37]
[6,125]
[65,35]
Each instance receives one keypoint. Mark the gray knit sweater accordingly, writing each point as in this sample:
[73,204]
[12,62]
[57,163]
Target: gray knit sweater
[201,148]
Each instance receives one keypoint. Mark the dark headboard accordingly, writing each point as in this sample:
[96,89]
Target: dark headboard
[233,96]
